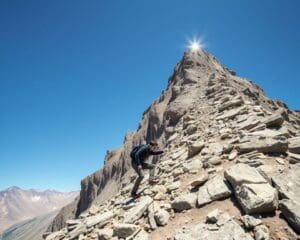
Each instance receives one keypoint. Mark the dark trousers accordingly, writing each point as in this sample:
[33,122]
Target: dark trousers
[140,173]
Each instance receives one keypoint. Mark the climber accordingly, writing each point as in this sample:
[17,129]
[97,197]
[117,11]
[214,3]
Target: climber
[138,156]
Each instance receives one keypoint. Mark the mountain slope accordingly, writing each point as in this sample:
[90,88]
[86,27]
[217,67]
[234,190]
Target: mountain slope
[157,122]
[31,229]
[208,120]
[17,205]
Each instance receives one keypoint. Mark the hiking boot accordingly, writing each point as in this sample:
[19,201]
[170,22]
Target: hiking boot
[135,195]
[153,181]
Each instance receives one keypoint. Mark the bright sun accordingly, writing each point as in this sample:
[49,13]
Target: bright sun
[195,45]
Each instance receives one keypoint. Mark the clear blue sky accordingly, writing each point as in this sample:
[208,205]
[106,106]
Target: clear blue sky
[75,76]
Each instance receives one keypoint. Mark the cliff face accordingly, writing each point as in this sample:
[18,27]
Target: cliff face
[196,80]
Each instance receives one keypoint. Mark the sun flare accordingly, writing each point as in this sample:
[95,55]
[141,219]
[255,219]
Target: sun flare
[195,45]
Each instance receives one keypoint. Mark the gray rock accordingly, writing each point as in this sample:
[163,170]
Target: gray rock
[191,129]
[250,162]
[81,228]
[268,171]
[274,121]
[257,198]
[250,222]
[177,172]
[230,114]
[261,232]
[214,189]
[213,216]
[105,234]
[231,104]
[99,219]
[173,186]
[267,145]
[253,192]
[200,180]
[232,155]
[287,183]
[215,160]
[151,218]
[250,123]
[53,236]
[228,230]
[269,133]
[195,148]
[194,164]
[294,145]
[184,202]
[124,230]
[242,173]
[293,157]
[291,212]
[137,211]
[162,217]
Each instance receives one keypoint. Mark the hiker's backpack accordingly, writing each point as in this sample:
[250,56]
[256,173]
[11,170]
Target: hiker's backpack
[134,150]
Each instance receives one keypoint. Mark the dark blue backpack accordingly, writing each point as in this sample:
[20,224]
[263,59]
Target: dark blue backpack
[134,150]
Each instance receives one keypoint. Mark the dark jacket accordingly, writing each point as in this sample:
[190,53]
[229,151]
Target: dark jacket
[143,153]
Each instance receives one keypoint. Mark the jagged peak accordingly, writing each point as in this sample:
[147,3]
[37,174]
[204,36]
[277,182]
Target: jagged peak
[194,65]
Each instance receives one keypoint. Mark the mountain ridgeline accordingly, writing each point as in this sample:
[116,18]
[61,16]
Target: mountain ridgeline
[17,204]
[223,140]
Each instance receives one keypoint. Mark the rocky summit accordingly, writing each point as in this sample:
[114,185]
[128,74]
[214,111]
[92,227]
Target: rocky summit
[230,169]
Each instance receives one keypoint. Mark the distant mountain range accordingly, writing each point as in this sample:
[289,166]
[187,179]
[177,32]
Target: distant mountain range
[31,229]
[18,205]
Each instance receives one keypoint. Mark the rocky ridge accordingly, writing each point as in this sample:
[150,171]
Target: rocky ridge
[228,147]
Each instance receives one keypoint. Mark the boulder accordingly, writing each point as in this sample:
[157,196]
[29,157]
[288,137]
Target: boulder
[184,202]
[268,171]
[138,210]
[293,157]
[213,216]
[269,133]
[250,222]
[230,114]
[151,212]
[200,180]
[250,162]
[191,129]
[294,145]
[226,229]
[162,217]
[249,123]
[287,183]
[195,148]
[231,104]
[261,232]
[274,121]
[54,236]
[105,234]
[253,192]
[291,212]
[268,145]
[257,198]
[124,230]
[193,164]
[99,219]
[242,173]
[81,228]
[214,189]
[173,186]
